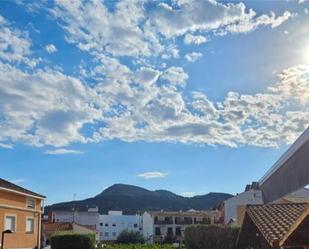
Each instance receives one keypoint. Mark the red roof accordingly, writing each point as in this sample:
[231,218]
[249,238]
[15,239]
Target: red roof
[276,222]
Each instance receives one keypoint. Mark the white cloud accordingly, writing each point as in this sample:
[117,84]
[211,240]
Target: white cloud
[50,48]
[18,181]
[306,11]
[192,57]
[63,151]
[191,16]
[14,44]
[248,24]
[152,175]
[50,109]
[194,39]
[133,29]
[6,146]
[146,103]
[93,28]
[188,194]
[175,75]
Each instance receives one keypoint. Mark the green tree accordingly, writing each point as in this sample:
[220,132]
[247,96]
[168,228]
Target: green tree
[211,236]
[127,237]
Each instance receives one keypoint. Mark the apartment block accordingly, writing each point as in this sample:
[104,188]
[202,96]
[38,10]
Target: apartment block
[20,213]
[160,226]
[113,223]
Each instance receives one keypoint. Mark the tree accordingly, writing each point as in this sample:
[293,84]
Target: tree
[127,237]
[211,236]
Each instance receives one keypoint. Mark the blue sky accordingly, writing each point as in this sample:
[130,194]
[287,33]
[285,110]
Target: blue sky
[189,96]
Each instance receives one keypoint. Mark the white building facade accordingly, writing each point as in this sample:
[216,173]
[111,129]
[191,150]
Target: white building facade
[160,226]
[113,223]
[252,196]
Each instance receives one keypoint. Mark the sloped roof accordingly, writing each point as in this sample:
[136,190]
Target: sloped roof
[11,186]
[299,196]
[58,226]
[277,221]
[291,199]
[64,226]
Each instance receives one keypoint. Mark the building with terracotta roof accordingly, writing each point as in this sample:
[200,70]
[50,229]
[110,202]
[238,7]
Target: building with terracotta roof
[279,225]
[48,229]
[20,212]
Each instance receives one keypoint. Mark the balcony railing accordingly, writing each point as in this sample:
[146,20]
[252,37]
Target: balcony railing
[163,222]
[202,222]
[183,222]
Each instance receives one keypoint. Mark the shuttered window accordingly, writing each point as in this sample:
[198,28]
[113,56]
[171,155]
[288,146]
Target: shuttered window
[10,223]
[30,225]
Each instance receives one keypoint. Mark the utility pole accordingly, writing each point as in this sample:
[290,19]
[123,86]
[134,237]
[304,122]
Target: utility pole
[74,197]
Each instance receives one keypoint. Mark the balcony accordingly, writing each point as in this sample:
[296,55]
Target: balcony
[202,222]
[185,221]
[166,221]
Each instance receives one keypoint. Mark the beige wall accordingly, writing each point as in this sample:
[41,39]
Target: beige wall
[16,205]
[241,209]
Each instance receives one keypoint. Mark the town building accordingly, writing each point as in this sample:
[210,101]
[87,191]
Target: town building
[235,204]
[280,225]
[49,229]
[88,218]
[20,213]
[113,223]
[164,226]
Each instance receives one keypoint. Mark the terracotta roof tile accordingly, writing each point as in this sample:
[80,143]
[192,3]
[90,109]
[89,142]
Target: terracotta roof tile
[63,226]
[59,226]
[11,186]
[275,220]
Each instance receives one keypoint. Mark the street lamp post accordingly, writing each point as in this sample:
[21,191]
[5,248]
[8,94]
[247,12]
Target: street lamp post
[3,233]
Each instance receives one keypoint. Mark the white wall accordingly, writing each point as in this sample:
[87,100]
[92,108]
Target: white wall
[148,227]
[249,197]
[82,218]
[112,224]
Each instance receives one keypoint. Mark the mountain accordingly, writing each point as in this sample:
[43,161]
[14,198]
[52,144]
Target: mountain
[131,199]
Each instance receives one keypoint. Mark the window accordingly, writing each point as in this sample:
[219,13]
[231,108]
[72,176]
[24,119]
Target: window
[106,224]
[101,224]
[106,234]
[29,225]
[30,203]
[114,225]
[158,231]
[135,225]
[170,231]
[101,234]
[114,234]
[10,223]
[178,231]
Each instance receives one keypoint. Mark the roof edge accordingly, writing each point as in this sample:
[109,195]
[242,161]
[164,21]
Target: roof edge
[299,142]
[34,195]
[295,225]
